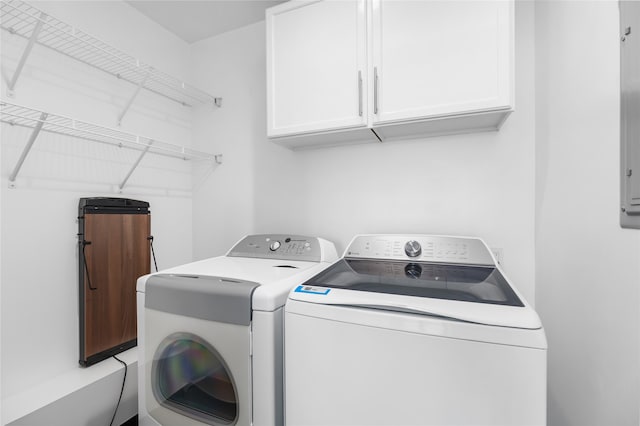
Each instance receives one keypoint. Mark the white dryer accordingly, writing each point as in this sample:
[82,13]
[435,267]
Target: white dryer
[413,330]
[210,333]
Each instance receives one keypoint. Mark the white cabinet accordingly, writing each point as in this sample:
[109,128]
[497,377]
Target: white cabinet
[316,65]
[355,70]
[441,59]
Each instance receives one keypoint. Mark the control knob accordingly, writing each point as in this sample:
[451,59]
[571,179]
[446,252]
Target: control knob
[413,270]
[275,245]
[412,248]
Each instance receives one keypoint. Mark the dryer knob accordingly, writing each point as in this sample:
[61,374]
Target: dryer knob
[275,245]
[413,249]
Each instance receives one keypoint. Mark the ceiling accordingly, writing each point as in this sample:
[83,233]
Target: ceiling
[194,20]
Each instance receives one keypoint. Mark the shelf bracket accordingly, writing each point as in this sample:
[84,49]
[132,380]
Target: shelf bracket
[133,97]
[135,165]
[27,51]
[218,158]
[217,102]
[27,148]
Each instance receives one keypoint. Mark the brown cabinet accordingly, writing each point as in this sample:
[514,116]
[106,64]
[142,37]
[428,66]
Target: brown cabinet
[113,251]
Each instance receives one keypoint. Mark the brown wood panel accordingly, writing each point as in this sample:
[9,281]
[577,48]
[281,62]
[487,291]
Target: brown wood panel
[118,254]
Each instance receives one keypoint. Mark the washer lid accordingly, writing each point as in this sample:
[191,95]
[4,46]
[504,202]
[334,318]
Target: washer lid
[477,284]
[478,294]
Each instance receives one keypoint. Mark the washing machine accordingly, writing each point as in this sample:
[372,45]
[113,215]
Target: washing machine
[210,333]
[413,330]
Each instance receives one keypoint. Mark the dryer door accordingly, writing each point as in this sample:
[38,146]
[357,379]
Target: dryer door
[198,350]
[190,376]
[198,372]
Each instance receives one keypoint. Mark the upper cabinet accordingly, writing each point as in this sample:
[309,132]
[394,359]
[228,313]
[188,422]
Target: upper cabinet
[316,65]
[440,59]
[357,70]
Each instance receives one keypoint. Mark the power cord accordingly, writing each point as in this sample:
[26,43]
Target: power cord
[121,389]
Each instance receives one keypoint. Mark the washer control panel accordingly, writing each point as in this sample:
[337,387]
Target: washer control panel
[425,248]
[279,246]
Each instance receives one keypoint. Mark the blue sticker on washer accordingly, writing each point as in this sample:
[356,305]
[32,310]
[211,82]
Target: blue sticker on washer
[323,291]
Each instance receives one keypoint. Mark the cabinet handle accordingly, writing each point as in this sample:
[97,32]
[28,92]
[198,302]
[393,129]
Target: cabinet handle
[375,90]
[360,93]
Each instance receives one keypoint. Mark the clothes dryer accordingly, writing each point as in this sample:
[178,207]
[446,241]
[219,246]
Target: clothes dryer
[210,333]
[413,330]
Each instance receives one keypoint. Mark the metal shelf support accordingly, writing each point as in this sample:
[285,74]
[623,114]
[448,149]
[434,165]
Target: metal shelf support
[25,53]
[135,165]
[27,148]
[133,97]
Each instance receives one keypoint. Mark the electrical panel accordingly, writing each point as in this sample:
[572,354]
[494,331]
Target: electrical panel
[630,114]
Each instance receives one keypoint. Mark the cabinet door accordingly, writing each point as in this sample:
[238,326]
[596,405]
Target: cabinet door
[316,66]
[440,58]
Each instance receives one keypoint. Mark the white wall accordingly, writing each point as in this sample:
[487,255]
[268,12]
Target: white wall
[38,218]
[230,66]
[478,184]
[587,267]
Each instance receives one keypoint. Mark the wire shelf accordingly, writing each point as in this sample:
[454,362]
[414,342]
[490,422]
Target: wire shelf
[22,19]
[17,115]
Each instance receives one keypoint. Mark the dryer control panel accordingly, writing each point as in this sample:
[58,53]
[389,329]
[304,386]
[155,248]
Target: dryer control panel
[421,248]
[282,246]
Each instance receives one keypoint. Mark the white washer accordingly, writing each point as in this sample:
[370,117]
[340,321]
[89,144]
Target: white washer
[210,333]
[413,330]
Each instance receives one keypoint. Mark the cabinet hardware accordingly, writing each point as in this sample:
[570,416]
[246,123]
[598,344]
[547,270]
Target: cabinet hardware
[375,90]
[360,93]
[627,31]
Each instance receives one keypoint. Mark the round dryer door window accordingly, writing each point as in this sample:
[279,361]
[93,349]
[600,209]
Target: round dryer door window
[190,377]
